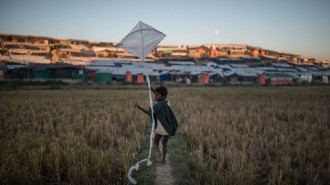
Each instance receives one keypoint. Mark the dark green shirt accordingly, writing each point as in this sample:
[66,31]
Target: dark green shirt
[166,117]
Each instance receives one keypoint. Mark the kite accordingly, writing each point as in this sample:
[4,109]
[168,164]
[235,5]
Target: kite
[140,42]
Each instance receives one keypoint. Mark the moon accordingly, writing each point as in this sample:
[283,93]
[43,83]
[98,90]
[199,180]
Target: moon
[216,32]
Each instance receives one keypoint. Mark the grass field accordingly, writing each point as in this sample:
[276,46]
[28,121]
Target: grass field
[226,135]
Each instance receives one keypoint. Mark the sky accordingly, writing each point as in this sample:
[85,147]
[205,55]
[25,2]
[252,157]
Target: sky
[294,26]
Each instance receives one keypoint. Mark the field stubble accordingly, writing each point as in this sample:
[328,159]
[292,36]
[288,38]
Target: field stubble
[74,137]
[256,135]
[233,135]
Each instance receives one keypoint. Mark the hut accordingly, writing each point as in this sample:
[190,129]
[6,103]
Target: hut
[107,51]
[278,78]
[173,51]
[128,77]
[225,60]
[251,60]
[206,78]
[216,77]
[87,53]
[214,53]
[236,52]
[262,79]
[3,71]
[42,74]
[103,78]
[197,51]
[139,78]
[18,71]
[325,79]
[80,75]
[62,70]
[90,73]
[68,52]
[165,76]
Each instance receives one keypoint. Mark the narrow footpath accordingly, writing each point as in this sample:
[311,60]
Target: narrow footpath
[163,172]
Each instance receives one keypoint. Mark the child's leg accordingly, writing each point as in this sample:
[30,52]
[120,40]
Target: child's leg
[165,139]
[156,142]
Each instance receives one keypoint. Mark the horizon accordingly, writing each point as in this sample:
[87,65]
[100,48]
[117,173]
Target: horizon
[298,27]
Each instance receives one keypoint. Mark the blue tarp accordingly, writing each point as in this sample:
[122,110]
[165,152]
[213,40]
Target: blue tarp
[165,77]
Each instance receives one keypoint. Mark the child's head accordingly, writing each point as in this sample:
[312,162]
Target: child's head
[160,93]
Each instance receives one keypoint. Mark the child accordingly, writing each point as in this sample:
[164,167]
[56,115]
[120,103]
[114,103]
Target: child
[166,123]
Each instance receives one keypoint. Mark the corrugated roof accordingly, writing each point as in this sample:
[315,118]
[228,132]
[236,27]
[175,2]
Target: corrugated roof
[185,63]
[10,67]
[26,44]
[282,65]
[302,69]
[114,49]
[274,74]
[40,67]
[173,49]
[79,47]
[70,50]
[228,67]
[26,51]
[247,71]
[159,69]
[238,66]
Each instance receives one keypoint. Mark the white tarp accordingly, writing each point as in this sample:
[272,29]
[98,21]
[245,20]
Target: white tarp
[141,40]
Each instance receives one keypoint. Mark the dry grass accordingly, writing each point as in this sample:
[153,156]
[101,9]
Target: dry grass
[74,137]
[256,135]
[233,135]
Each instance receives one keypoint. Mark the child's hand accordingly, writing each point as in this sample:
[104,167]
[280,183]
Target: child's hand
[136,105]
[152,89]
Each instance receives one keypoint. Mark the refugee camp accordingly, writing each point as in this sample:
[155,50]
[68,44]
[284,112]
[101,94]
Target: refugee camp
[165,93]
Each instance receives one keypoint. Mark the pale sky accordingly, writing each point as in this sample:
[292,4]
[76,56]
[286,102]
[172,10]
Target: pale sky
[295,26]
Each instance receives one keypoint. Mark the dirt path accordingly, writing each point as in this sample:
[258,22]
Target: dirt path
[163,172]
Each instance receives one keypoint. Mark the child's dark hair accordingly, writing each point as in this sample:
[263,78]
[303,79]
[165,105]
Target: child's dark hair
[162,91]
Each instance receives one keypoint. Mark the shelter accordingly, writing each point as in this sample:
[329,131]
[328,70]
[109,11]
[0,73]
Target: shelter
[64,71]
[90,73]
[17,71]
[216,77]
[128,77]
[277,78]
[87,53]
[224,60]
[175,51]
[262,79]
[182,63]
[251,59]
[166,76]
[206,78]
[103,78]
[3,71]
[237,52]
[139,78]
[198,51]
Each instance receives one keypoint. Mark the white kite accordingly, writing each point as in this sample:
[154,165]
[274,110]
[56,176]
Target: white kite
[140,42]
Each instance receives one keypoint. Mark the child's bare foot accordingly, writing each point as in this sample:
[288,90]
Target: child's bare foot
[159,157]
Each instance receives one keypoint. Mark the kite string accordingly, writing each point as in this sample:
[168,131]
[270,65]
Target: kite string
[136,117]
[137,165]
[136,134]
